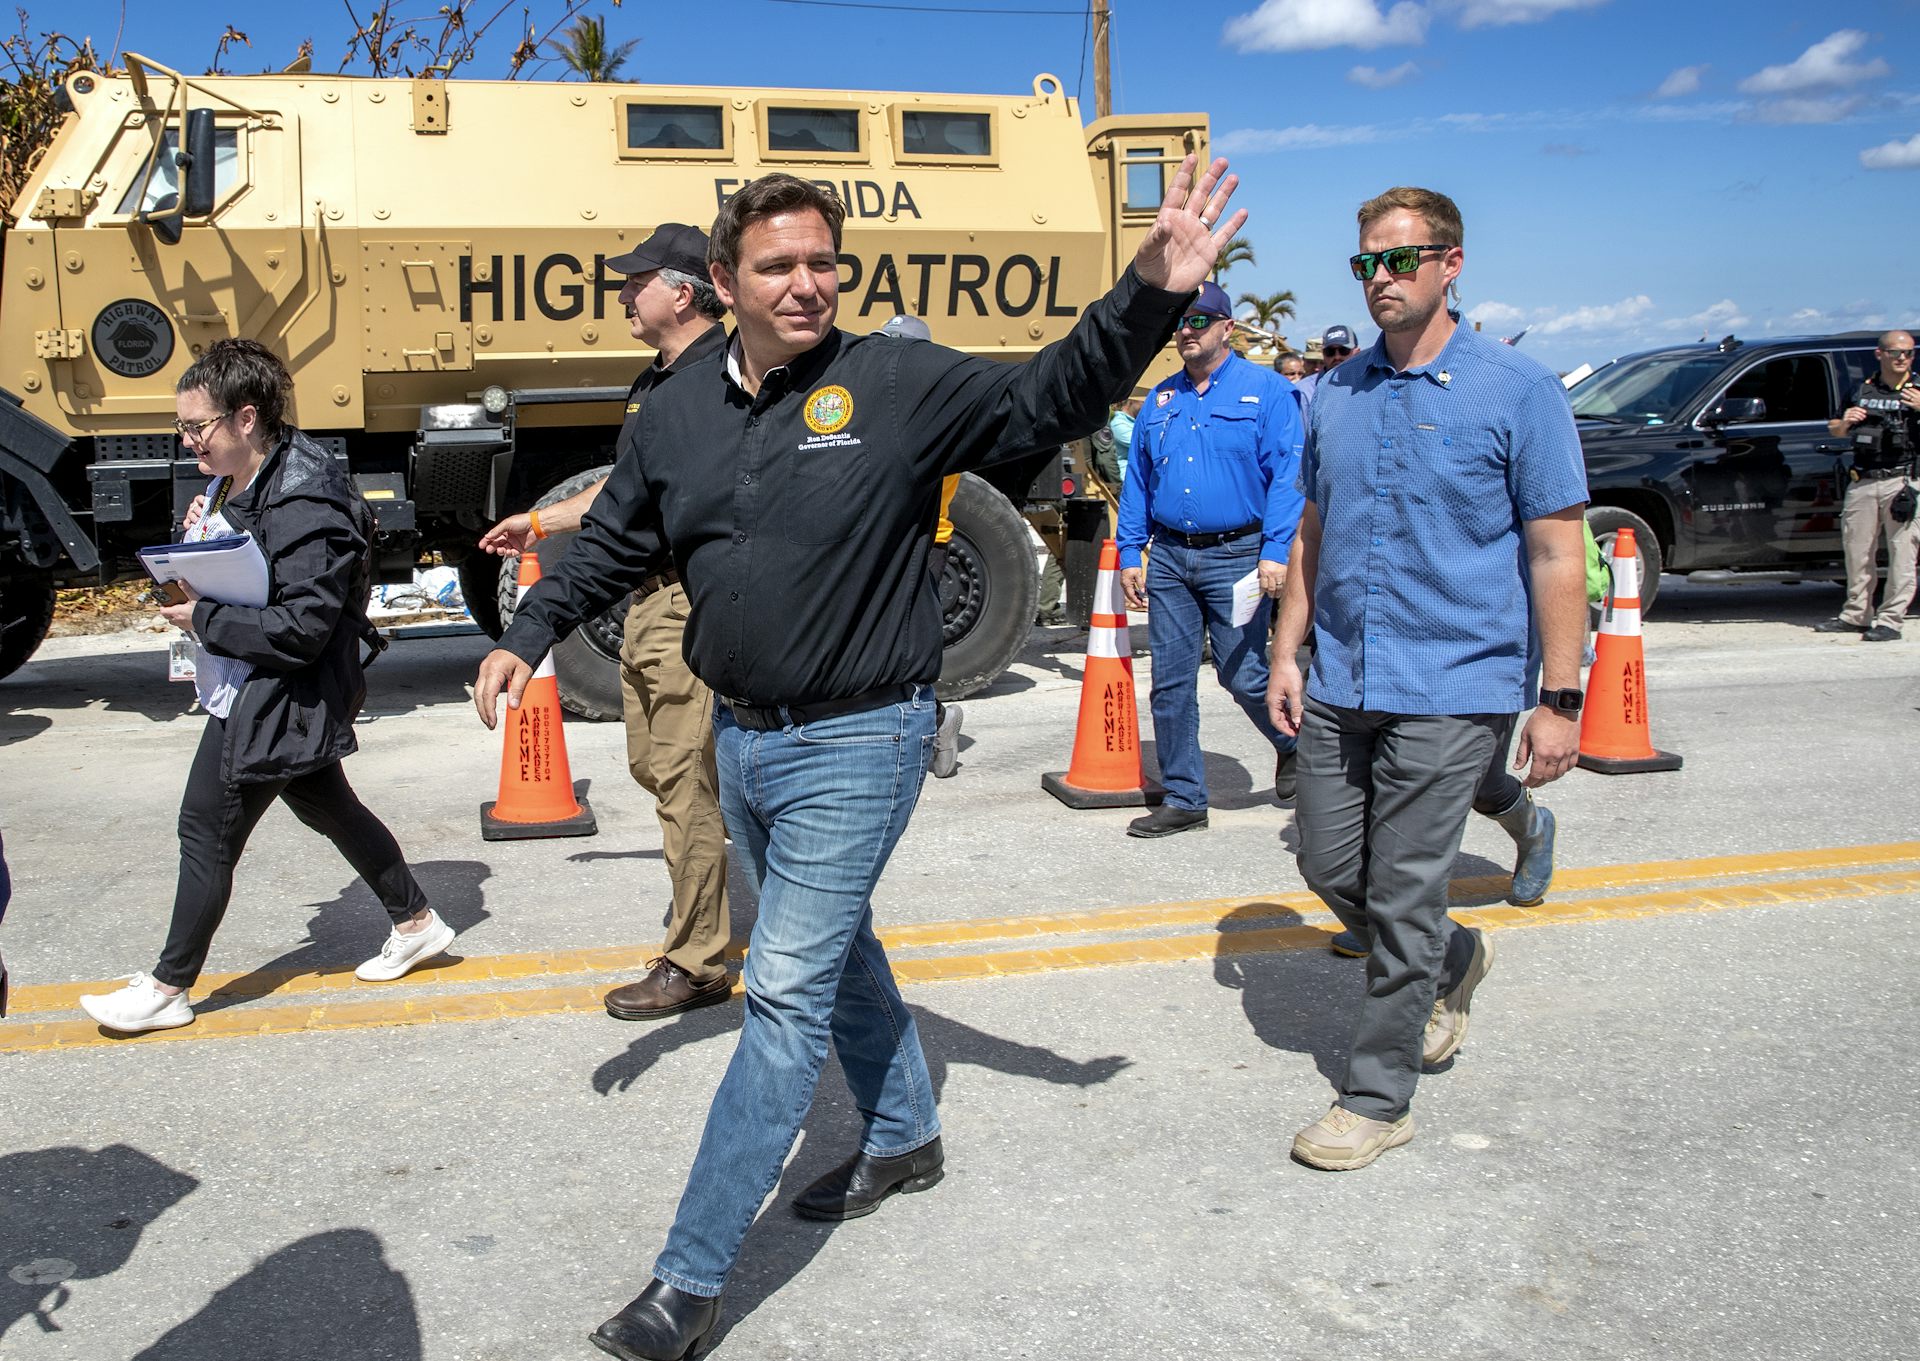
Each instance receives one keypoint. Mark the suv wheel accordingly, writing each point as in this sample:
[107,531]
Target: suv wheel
[1606,523]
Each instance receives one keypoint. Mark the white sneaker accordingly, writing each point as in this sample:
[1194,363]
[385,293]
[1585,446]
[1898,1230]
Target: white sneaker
[946,743]
[138,1007]
[403,953]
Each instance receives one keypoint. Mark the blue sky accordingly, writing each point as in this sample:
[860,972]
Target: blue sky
[1630,172]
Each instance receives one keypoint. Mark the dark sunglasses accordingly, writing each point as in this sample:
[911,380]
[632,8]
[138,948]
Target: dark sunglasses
[1336,352]
[1898,354]
[1199,321]
[1399,260]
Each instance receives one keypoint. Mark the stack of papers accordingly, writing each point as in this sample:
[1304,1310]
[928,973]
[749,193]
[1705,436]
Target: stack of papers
[230,570]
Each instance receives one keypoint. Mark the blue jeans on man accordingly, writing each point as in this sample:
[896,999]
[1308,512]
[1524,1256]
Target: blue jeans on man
[816,808]
[1190,596]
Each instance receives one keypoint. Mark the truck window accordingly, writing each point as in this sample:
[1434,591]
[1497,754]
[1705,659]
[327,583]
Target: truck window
[1794,387]
[675,127]
[1145,185]
[832,131]
[1856,366]
[924,133]
[166,175]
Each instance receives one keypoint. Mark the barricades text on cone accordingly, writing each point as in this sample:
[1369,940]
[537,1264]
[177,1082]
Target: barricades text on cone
[1614,735]
[536,783]
[1105,771]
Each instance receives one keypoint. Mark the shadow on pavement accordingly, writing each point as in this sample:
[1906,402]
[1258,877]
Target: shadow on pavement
[781,1244]
[323,1298]
[74,1214]
[352,927]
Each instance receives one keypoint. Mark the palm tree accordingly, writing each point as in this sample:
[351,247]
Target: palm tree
[1234,253]
[1270,311]
[585,52]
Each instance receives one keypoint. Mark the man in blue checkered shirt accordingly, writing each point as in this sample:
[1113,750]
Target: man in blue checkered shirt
[1441,563]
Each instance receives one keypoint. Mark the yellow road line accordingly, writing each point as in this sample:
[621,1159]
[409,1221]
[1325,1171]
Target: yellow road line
[233,987]
[391,1011]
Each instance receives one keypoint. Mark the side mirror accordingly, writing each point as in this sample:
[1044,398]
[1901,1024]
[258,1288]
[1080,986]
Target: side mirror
[165,219]
[197,164]
[1734,410]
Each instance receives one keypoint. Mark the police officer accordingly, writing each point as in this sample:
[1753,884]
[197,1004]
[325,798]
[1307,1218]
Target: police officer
[1883,419]
[1215,458]
[795,476]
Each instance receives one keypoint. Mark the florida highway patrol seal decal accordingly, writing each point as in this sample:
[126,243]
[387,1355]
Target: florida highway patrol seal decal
[133,338]
[829,410]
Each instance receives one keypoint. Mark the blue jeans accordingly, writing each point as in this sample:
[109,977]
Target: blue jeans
[817,809]
[1190,589]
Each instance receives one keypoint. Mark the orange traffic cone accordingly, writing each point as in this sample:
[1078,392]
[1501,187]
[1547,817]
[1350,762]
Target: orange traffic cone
[536,783]
[1614,737]
[1106,769]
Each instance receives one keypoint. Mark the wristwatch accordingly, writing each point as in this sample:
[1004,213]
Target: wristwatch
[1565,701]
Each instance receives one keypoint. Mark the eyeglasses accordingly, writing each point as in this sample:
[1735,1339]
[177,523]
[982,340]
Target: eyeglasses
[196,430]
[1399,260]
[1898,354]
[1336,352]
[1199,321]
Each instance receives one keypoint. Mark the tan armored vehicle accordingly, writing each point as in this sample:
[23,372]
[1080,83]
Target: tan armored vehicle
[429,258]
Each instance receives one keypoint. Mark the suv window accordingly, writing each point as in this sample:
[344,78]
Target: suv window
[1856,366]
[1794,387]
[1650,390]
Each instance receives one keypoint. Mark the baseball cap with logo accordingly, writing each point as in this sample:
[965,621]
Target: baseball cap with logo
[673,245]
[1338,338]
[1212,300]
[904,327]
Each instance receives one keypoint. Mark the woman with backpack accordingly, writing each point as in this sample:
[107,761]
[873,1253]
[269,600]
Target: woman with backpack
[281,683]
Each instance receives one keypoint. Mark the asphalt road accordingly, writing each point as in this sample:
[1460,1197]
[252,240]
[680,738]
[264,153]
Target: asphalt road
[1679,1127]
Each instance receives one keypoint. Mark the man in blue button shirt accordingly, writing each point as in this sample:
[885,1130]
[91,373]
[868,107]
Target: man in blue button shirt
[1211,480]
[1441,563]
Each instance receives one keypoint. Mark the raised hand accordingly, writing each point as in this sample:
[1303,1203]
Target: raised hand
[1187,237]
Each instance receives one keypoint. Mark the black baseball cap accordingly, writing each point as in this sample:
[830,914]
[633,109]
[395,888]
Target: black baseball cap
[673,245]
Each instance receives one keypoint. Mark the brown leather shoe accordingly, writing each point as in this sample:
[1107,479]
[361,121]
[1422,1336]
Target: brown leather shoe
[663,992]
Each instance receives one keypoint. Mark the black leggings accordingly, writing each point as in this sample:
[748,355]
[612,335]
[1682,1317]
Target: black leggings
[1498,790]
[215,821]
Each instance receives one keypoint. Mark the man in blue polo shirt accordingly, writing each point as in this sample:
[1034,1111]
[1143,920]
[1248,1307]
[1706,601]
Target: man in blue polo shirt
[1441,563]
[1212,480]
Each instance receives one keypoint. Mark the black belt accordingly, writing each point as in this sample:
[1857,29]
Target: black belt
[1879,474]
[1205,540]
[657,582]
[769,717]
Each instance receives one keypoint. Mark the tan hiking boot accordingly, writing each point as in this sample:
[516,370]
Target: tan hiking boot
[1341,1141]
[1447,1026]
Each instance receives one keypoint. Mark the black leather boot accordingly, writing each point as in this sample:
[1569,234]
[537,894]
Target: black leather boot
[662,1324]
[859,1184]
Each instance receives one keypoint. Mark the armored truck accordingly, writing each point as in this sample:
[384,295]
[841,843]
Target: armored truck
[429,257]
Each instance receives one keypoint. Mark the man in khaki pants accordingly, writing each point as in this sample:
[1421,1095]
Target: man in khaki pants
[671,306]
[1882,418]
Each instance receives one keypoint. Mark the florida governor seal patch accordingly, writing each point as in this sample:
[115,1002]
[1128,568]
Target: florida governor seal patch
[829,410]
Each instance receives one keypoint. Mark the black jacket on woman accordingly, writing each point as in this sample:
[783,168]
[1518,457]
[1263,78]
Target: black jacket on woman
[294,714]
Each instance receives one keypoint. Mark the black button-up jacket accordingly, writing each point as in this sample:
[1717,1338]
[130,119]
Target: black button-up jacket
[800,518]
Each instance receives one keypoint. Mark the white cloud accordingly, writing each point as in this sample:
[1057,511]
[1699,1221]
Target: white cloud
[1311,25]
[1302,137]
[1606,317]
[1894,155]
[1683,82]
[1724,315]
[1376,79]
[1498,315]
[1483,13]
[1823,109]
[1827,65]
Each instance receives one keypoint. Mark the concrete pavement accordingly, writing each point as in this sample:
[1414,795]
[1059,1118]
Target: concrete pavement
[1677,1128]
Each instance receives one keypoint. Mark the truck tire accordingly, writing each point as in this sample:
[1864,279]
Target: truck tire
[988,591]
[587,661]
[1606,522]
[26,613]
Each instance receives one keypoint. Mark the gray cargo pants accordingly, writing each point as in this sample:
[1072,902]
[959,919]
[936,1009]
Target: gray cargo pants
[1383,800]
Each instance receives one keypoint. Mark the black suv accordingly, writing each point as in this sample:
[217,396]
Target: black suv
[1718,456]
